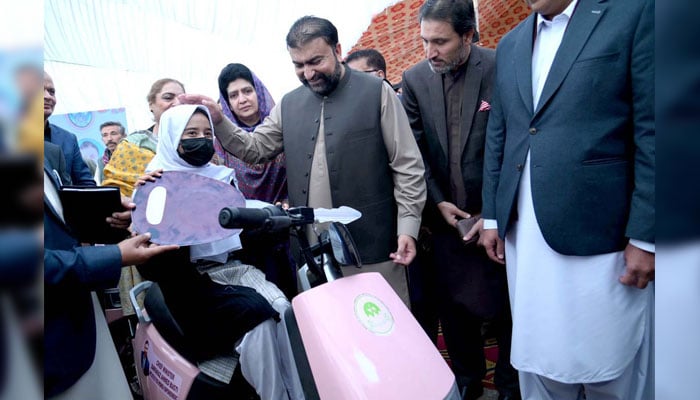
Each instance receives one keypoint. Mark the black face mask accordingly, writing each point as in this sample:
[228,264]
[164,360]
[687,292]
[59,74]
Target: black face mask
[197,151]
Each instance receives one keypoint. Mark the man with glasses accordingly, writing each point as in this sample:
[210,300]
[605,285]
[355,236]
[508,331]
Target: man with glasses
[367,60]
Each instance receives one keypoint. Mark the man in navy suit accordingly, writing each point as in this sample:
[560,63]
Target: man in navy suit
[77,169]
[71,272]
[569,184]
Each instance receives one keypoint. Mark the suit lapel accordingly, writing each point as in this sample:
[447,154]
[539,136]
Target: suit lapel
[437,98]
[53,185]
[583,21]
[523,61]
[470,94]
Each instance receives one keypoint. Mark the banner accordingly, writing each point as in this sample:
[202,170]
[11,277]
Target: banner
[86,127]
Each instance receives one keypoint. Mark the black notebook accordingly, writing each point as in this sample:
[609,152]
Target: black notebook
[85,209]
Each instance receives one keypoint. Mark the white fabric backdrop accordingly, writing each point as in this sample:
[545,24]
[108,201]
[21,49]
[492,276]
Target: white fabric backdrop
[106,53]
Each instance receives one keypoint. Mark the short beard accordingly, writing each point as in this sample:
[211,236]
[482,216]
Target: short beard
[330,82]
[452,65]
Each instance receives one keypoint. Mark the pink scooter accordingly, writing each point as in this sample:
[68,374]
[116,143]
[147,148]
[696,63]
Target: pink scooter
[352,337]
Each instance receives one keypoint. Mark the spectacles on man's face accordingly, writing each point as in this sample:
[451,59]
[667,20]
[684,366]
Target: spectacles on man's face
[370,71]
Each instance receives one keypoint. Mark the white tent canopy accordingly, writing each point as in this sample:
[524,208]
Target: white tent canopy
[106,53]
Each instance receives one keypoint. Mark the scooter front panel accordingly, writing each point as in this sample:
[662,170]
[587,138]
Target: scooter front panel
[363,343]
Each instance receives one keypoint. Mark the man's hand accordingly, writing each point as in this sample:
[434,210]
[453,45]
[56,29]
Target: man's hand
[136,250]
[488,238]
[122,220]
[450,212]
[639,267]
[214,109]
[284,204]
[476,229]
[406,250]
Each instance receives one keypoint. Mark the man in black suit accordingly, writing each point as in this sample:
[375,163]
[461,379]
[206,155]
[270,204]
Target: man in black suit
[447,100]
[569,184]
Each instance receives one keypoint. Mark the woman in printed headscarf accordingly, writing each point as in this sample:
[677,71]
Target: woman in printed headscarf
[245,100]
[132,154]
[227,302]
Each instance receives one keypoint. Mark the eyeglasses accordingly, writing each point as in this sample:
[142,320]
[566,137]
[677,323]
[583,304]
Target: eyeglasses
[371,71]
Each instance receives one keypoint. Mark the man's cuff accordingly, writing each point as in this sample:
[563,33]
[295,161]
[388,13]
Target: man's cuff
[646,246]
[490,224]
[408,226]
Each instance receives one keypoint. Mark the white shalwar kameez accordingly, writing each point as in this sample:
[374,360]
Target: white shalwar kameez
[574,324]
[573,321]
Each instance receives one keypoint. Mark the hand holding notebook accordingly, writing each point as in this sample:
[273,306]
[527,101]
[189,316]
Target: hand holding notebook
[86,209]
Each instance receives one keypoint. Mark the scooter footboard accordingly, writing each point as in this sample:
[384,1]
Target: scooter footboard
[362,342]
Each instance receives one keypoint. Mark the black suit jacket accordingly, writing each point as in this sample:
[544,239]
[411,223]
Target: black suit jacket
[591,137]
[424,101]
[463,273]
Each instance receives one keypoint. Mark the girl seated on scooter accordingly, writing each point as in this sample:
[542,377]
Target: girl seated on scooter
[220,303]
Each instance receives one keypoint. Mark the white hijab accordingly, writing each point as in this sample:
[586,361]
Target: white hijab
[172,125]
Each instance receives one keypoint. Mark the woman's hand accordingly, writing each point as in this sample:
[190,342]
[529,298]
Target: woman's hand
[149,177]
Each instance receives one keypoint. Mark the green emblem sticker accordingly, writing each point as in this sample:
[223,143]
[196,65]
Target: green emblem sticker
[373,314]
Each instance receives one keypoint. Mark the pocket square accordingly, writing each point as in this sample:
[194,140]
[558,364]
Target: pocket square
[484,106]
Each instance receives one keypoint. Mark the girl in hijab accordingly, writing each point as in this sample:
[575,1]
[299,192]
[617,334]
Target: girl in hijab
[129,160]
[246,102]
[229,304]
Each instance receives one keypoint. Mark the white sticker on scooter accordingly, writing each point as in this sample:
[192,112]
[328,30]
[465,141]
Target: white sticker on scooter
[165,379]
[373,314]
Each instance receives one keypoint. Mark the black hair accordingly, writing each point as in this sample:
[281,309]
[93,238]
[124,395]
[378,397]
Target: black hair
[374,58]
[230,73]
[308,28]
[459,13]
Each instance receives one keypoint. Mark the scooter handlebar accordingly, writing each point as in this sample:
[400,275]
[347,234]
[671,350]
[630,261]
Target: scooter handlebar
[247,218]
[268,219]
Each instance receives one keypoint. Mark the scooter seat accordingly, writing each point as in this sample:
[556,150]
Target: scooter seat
[165,322]
[202,386]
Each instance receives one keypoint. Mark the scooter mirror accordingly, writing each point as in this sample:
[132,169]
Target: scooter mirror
[344,249]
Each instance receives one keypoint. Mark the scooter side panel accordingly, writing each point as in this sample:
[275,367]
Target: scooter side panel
[363,343]
[163,373]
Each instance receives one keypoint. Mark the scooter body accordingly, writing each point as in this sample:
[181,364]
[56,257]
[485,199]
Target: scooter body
[362,342]
[164,370]
[163,373]
[352,337]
